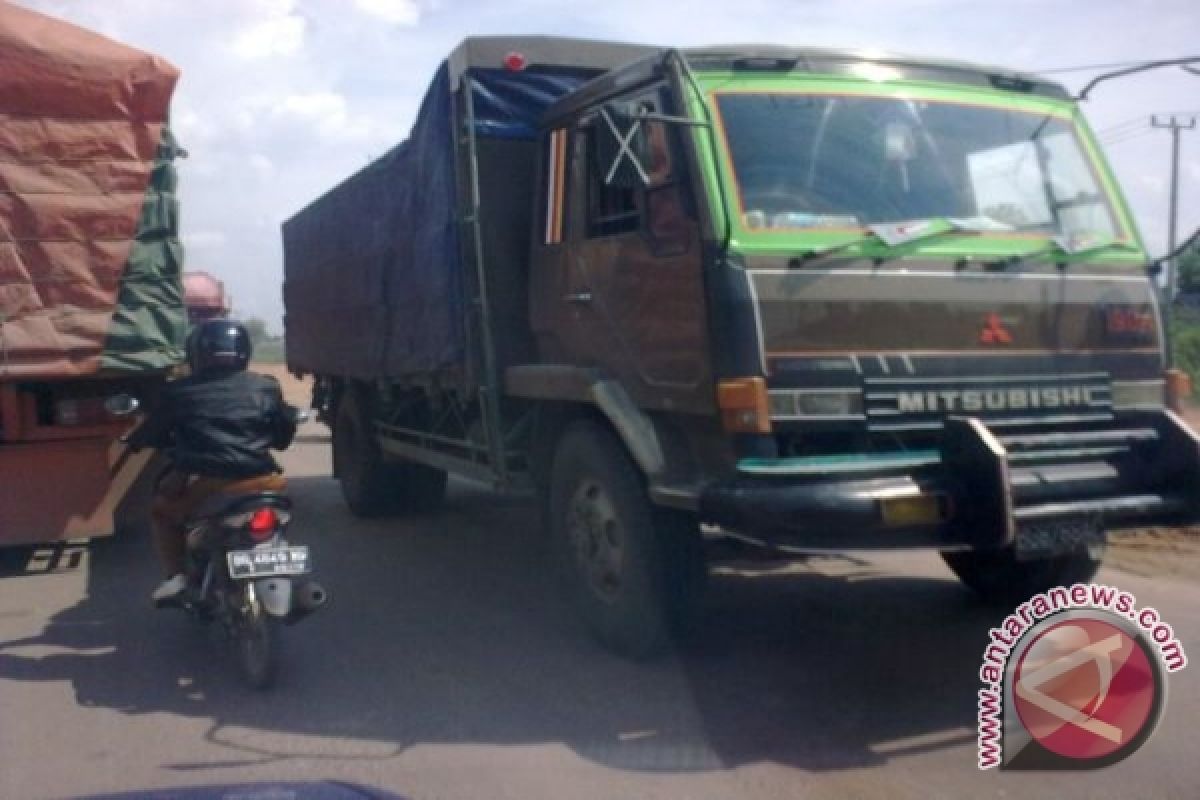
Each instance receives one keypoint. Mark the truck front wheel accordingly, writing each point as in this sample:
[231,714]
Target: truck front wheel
[608,554]
[997,576]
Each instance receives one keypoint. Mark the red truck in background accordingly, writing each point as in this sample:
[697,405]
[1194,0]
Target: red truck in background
[204,295]
[91,297]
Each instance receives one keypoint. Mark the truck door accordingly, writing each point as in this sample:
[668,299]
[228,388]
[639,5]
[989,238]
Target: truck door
[634,289]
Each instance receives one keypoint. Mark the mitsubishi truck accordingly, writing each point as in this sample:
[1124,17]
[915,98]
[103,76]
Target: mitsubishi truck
[808,300]
[91,304]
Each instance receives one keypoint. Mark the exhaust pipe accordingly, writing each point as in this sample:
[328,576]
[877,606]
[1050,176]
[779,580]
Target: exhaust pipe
[306,598]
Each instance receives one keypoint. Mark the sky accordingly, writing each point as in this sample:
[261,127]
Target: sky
[281,99]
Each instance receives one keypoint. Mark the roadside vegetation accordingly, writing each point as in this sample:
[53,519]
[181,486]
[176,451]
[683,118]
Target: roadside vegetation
[268,348]
[1185,333]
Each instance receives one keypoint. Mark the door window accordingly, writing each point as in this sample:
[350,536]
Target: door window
[627,155]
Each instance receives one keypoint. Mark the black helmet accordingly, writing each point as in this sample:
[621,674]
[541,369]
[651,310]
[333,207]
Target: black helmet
[218,344]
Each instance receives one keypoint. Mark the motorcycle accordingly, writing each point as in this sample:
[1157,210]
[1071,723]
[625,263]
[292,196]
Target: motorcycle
[242,572]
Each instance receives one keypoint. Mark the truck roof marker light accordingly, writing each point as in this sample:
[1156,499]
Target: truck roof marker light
[515,62]
[744,405]
[1012,83]
[765,63]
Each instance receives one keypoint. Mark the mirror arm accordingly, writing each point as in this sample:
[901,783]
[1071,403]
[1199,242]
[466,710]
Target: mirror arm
[1155,266]
[1170,62]
[671,119]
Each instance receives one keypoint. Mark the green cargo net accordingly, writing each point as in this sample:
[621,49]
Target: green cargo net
[150,321]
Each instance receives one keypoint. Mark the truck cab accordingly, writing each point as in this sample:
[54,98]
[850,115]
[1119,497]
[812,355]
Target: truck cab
[863,302]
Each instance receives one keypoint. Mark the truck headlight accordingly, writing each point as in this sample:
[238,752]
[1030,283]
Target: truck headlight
[816,404]
[1134,395]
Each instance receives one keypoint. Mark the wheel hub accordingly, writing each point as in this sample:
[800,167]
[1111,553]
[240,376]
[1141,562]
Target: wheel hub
[597,539]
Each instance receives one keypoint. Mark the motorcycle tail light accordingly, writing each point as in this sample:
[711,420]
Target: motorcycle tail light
[262,523]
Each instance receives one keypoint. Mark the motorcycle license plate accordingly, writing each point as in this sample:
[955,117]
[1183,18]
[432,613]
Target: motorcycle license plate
[1036,540]
[267,562]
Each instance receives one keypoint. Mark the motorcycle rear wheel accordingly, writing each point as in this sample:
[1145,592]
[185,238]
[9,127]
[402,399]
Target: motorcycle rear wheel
[257,643]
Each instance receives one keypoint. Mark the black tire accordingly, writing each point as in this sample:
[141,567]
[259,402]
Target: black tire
[372,486]
[258,647]
[603,535]
[357,461]
[999,578]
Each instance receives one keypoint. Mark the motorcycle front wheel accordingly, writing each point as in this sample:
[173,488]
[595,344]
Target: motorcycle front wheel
[257,643]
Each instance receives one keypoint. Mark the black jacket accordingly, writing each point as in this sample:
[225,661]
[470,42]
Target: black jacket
[220,425]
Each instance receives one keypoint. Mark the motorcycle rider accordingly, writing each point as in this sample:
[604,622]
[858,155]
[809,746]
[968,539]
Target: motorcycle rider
[217,427]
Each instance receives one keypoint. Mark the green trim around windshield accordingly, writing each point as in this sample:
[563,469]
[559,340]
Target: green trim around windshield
[717,168]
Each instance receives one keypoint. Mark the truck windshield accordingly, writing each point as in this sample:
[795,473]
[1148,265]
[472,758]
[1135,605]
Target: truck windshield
[820,161]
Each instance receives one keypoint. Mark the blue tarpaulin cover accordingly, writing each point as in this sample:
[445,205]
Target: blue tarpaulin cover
[374,273]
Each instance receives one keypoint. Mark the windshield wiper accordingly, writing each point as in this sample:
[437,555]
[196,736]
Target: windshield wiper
[893,235]
[1067,245]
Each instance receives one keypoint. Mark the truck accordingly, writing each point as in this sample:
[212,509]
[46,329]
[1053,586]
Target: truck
[204,296]
[91,303]
[799,299]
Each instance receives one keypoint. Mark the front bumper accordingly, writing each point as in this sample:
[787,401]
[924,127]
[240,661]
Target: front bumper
[974,491]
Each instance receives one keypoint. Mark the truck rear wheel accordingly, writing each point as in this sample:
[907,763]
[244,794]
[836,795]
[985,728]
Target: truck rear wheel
[371,485]
[605,543]
[357,461]
[998,577]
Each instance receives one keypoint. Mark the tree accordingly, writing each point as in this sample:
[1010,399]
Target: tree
[257,330]
[1189,270]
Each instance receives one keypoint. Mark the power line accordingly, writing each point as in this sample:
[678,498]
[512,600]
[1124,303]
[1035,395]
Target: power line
[1131,133]
[1136,126]
[1123,140]
[1095,67]
[1090,67]
[1123,126]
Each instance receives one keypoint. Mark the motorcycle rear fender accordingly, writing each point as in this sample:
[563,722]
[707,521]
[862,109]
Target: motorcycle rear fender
[275,594]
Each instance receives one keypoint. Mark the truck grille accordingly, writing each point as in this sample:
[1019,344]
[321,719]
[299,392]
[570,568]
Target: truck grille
[901,404]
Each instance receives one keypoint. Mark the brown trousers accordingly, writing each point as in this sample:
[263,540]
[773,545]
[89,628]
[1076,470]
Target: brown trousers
[178,493]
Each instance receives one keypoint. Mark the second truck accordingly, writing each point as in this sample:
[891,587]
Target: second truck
[91,303]
[800,298]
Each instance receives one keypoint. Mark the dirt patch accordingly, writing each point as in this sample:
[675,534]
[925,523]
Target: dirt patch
[297,391]
[1157,552]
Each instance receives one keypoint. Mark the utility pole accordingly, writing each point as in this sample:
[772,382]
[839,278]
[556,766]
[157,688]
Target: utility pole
[1175,125]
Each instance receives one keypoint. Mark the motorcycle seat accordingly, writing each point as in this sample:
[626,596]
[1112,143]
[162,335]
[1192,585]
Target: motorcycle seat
[223,505]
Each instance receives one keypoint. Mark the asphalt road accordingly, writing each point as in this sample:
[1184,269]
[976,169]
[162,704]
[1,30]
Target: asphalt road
[446,666]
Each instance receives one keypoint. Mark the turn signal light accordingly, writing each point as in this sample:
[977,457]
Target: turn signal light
[1179,389]
[744,405]
[262,523]
[917,509]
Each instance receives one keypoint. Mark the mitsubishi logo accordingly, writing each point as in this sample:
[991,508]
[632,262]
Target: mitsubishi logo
[994,331]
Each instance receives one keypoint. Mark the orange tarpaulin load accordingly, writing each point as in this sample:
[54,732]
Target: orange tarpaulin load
[87,219]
